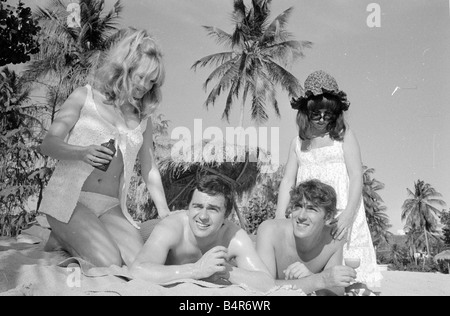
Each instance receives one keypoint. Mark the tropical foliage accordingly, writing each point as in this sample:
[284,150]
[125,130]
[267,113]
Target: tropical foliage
[445,221]
[68,54]
[18,32]
[420,210]
[21,177]
[377,218]
[262,203]
[253,65]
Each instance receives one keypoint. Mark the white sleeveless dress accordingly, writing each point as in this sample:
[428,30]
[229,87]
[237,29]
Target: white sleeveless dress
[327,164]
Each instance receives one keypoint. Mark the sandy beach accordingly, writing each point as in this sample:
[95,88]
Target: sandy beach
[401,283]
[25,269]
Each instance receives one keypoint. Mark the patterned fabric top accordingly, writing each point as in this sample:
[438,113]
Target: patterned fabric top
[326,164]
[63,190]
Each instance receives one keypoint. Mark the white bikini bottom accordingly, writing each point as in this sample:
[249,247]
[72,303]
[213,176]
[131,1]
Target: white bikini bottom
[98,203]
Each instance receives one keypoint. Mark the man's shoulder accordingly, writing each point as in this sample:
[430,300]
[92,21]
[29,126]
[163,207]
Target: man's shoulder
[173,222]
[333,245]
[273,225]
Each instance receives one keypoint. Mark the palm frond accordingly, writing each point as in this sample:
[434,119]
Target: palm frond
[225,82]
[220,71]
[234,92]
[221,37]
[287,80]
[287,51]
[278,25]
[214,59]
[239,12]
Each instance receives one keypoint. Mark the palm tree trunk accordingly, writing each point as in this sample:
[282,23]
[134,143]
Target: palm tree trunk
[241,118]
[426,241]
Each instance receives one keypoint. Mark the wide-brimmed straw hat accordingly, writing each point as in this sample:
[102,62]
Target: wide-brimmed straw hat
[318,83]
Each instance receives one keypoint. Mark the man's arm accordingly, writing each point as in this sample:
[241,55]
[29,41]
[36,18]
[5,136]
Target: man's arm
[265,248]
[250,268]
[150,262]
[335,277]
[150,265]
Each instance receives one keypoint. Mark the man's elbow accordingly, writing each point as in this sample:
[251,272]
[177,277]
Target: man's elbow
[267,282]
[137,271]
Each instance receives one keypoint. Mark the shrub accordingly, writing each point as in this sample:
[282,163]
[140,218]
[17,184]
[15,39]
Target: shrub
[263,202]
[12,225]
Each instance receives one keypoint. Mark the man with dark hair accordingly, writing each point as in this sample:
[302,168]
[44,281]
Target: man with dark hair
[301,250]
[202,244]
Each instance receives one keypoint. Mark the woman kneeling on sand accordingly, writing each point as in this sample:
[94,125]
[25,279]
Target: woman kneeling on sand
[85,206]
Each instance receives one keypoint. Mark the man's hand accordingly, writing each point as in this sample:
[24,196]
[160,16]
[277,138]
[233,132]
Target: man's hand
[211,262]
[338,276]
[221,278]
[296,270]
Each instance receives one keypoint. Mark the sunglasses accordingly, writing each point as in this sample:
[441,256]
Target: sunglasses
[318,115]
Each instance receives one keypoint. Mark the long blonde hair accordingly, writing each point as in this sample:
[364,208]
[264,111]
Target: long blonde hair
[114,78]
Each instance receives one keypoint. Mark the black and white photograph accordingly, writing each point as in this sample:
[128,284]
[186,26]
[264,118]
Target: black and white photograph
[224,153]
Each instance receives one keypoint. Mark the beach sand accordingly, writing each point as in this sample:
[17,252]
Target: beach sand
[29,270]
[401,283]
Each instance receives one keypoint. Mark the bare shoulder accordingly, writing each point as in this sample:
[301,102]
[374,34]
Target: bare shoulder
[232,232]
[171,227]
[335,245]
[294,142]
[78,95]
[273,226]
[175,221]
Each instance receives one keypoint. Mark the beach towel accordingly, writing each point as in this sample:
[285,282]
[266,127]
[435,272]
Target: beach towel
[27,270]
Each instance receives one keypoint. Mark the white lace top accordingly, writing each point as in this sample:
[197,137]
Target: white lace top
[63,190]
[326,164]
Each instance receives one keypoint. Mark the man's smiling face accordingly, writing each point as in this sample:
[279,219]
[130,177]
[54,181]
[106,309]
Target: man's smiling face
[307,219]
[206,214]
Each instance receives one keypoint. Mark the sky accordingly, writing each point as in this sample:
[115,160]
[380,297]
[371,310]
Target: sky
[403,133]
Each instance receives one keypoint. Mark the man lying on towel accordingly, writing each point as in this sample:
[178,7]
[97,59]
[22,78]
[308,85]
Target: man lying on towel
[301,251]
[202,244]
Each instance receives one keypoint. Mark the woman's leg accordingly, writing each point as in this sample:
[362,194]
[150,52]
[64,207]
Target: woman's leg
[85,236]
[127,237]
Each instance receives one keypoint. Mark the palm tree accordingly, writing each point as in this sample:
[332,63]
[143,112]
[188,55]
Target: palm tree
[445,220]
[397,253]
[254,65]
[376,215]
[68,54]
[420,211]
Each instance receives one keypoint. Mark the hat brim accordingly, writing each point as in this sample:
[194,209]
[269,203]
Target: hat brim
[301,101]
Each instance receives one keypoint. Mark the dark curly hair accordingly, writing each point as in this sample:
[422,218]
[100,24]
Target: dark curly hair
[336,126]
[214,185]
[317,193]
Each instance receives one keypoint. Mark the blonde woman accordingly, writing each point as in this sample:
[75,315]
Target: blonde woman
[85,206]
